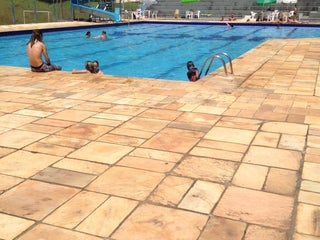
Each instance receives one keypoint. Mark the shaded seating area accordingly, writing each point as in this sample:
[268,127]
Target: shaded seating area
[221,9]
[141,14]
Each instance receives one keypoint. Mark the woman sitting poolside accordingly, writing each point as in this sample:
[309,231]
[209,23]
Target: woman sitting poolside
[35,49]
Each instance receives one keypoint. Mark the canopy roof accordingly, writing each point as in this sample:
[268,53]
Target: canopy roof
[189,1]
[266,2]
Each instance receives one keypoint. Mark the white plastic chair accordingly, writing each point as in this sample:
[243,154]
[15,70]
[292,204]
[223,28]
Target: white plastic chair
[189,14]
[154,14]
[291,13]
[269,16]
[276,15]
[253,14]
[197,14]
[139,13]
[147,13]
[273,16]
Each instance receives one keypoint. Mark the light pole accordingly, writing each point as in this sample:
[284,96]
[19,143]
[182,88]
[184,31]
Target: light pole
[54,11]
[61,10]
[35,11]
[121,6]
[12,12]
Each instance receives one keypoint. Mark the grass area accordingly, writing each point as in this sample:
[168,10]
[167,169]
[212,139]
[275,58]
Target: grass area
[21,5]
[57,13]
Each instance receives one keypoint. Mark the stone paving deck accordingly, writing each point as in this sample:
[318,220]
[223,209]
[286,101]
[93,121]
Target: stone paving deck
[103,157]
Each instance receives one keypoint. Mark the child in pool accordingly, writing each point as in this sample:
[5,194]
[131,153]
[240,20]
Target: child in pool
[90,67]
[193,72]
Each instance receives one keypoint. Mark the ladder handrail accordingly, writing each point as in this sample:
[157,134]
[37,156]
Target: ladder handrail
[229,58]
[221,59]
[212,58]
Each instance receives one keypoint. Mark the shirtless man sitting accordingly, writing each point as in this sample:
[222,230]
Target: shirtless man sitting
[35,49]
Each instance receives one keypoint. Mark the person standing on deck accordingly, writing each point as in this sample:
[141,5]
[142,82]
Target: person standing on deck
[295,13]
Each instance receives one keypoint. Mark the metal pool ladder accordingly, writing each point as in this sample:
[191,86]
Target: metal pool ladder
[220,57]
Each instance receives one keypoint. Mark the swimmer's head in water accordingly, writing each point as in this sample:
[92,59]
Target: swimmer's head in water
[190,64]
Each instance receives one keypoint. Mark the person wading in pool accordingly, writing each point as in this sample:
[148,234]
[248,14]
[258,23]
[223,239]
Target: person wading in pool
[35,49]
[87,35]
[103,36]
[90,67]
[193,72]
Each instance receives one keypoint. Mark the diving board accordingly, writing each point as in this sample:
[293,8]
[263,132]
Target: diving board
[77,5]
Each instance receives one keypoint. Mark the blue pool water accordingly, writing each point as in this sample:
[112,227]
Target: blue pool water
[148,50]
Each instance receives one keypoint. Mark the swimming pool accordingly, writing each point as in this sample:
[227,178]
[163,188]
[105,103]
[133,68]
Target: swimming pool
[148,50]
